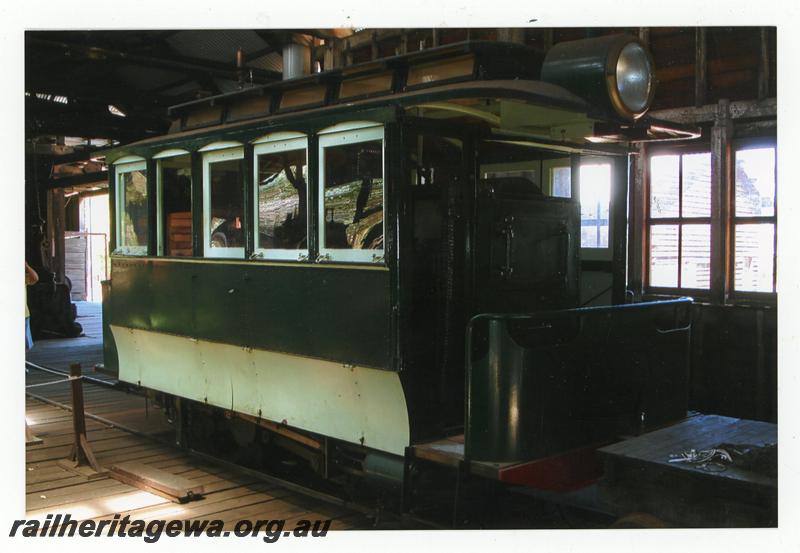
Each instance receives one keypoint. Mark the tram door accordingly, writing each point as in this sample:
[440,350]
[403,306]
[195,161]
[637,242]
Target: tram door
[437,192]
[526,237]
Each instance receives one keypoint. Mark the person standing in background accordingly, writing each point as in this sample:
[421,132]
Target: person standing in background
[31,278]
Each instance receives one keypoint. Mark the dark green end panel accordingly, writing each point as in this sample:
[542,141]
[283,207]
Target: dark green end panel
[545,383]
[110,359]
[334,313]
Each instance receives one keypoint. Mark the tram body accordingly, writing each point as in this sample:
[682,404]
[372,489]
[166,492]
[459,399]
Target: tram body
[365,255]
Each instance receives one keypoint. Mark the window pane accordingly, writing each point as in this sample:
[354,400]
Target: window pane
[595,184]
[282,200]
[227,204]
[176,209]
[664,255]
[753,257]
[697,185]
[353,197]
[755,182]
[562,182]
[134,216]
[664,173]
[696,256]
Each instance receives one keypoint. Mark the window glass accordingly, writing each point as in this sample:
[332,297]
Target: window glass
[696,256]
[561,178]
[353,196]
[755,182]
[595,184]
[226,204]
[753,268]
[133,228]
[664,255]
[696,190]
[664,186]
[175,212]
[282,200]
[680,220]
[755,219]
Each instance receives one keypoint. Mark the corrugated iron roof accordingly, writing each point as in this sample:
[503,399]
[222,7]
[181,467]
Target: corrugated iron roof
[216,45]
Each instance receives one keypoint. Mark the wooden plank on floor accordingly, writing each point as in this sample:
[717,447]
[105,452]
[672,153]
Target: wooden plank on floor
[153,479]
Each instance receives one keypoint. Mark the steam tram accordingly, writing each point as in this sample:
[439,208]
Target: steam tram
[382,262]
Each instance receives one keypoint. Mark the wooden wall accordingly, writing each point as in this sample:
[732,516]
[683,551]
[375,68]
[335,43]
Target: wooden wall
[75,263]
[734,361]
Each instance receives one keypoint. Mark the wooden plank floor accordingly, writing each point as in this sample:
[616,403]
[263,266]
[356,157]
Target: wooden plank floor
[50,489]
[230,495]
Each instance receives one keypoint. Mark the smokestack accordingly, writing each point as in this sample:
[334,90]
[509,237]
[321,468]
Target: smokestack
[240,65]
[296,60]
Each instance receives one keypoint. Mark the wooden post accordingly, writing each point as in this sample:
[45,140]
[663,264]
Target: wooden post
[58,224]
[618,225]
[575,177]
[700,67]
[763,65]
[721,135]
[637,226]
[547,39]
[81,450]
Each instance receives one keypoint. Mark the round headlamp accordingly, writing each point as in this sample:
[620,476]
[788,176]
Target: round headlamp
[615,71]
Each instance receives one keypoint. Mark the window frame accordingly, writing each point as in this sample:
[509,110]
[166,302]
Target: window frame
[339,135]
[590,253]
[275,143]
[548,173]
[743,296]
[121,167]
[215,155]
[165,154]
[680,221]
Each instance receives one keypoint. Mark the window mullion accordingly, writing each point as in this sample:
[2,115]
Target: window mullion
[720,206]
[680,220]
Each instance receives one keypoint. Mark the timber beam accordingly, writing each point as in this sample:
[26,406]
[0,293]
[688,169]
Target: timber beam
[739,110]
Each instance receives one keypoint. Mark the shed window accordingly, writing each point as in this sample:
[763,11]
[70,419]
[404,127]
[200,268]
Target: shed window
[281,206]
[132,200]
[351,204]
[680,226]
[223,203]
[754,220]
[680,221]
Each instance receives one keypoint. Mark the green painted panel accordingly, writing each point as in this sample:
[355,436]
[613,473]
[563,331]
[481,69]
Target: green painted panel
[338,314]
[132,303]
[171,292]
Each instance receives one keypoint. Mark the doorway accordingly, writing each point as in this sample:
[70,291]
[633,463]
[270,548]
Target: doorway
[94,229]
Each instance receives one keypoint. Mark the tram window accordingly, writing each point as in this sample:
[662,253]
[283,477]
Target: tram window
[595,183]
[516,163]
[223,203]
[351,189]
[281,199]
[175,206]
[434,160]
[132,209]
[595,194]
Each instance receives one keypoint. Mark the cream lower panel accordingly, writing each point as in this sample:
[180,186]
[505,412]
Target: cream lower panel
[348,403]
